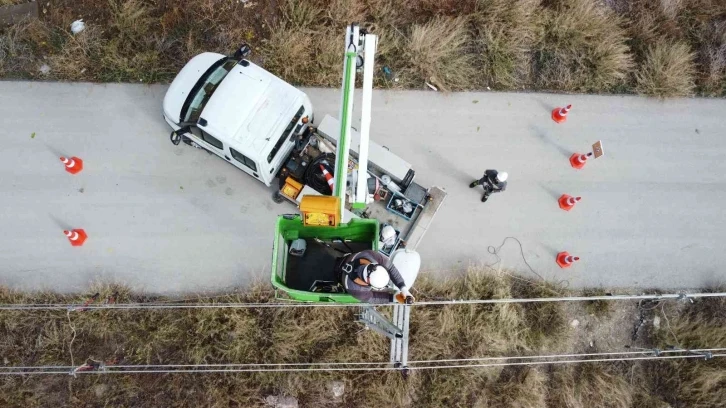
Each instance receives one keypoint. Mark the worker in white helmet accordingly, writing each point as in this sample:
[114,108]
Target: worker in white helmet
[493,182]
[366,275]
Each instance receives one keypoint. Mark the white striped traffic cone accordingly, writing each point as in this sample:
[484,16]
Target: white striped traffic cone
[76,236]
[328,177]
[578,160]
[565,260]
[559,115]
[73,165]
[567,202]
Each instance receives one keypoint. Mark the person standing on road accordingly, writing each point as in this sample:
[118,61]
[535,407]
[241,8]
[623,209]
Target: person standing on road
[493,182]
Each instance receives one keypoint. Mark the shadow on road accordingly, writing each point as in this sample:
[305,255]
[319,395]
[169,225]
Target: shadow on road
[443,165]
[56,152]
[60,223]
[542,136]
[550,250]
[553,193]
[546,106]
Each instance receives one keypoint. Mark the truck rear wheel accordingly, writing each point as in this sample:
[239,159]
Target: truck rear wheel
[277,197]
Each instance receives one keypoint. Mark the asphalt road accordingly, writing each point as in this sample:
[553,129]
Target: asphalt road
[166,218]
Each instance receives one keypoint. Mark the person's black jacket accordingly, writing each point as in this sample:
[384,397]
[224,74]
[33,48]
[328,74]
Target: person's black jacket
[490,179]
[366,294]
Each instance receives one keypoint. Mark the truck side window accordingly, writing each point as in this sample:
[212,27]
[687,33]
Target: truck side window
[196,132]
[212,140]
[207,137]
[243,159]
[285,134]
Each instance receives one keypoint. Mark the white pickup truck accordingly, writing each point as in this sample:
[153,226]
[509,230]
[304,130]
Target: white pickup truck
[264,126]
[238,111]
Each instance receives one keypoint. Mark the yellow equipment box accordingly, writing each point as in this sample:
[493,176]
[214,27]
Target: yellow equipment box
[320,210]
[291,188]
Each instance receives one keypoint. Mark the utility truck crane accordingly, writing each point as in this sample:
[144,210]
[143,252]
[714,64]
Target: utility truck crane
[342,182]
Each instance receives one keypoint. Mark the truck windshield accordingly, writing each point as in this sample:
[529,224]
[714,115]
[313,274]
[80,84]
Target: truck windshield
[286,133]
[204,88]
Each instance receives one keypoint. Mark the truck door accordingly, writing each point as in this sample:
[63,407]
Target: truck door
[208,141]
[244,163]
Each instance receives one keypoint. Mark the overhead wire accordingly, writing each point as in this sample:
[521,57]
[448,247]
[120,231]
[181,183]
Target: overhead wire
[565,362]
[550,356]
[705,354]
[155,305]
[359,363]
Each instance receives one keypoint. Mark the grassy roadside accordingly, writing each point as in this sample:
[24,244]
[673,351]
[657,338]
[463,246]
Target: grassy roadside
[305,335]
[663,48]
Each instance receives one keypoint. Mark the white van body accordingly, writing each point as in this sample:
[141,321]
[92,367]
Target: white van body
[238,111]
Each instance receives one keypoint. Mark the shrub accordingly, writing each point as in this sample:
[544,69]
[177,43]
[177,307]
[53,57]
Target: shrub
[582,49]
[438,53]
[668,70]
[504,33]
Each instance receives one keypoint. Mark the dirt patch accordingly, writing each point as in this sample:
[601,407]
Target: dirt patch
[594,333]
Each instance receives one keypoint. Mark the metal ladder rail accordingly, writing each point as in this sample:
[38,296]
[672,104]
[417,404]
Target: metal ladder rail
[396,330]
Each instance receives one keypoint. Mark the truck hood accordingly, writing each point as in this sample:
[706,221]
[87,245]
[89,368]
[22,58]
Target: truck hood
[184,82]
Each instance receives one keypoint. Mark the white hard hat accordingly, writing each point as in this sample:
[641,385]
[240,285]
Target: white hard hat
[376,276]
[388,234]
[502,176]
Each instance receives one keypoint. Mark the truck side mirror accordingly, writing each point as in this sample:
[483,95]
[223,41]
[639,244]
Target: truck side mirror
[176,135]
[242,52]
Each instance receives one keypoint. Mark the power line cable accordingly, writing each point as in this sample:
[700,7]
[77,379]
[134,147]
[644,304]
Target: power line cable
[612,353]
[154,305]
[705,354]
[202,369]
[567,361]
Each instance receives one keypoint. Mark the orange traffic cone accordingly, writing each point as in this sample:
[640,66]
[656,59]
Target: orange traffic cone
[73,165]
[559,115]
[578,160]
[328,177]
[567,202]
[76,236]
[565,260]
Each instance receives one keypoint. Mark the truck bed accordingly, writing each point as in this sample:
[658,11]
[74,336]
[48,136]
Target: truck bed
[425,202]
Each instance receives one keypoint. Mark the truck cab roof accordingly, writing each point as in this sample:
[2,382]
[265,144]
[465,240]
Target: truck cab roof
[261,107]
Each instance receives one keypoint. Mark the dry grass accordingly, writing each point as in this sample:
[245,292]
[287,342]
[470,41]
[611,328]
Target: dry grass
[579,386]
[289,53]
[583,48]
[438,53]
[711,58]
[309,335]
[18,45]
[679,383]
[505,32]
[598,308]
[668,70]
[76,59]
[696,24]
[14,52]
[664,47]
[519,387]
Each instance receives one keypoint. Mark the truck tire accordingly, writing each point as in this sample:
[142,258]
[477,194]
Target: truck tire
[276,197]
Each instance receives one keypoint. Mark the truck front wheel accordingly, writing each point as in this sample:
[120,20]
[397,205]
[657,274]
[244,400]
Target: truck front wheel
[175,138]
